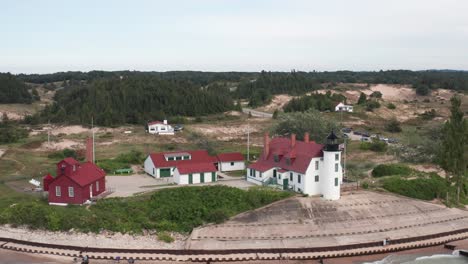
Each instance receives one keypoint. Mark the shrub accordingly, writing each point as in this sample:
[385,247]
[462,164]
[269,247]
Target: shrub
[375,145]
[371,105]
[362,99]
[391,169]
[421,188]
[365,185]
[165,237]
[391,106]
[428,115]
[393,126]
[422,90]
[376,94]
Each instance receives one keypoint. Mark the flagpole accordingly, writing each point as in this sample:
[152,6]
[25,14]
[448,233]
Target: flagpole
[92,130]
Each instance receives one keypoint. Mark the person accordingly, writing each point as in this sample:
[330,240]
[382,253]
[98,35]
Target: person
[85,260]
[320,261]
[131,260]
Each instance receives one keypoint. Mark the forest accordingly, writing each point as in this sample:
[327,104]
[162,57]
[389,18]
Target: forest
[134,100]
[13,90]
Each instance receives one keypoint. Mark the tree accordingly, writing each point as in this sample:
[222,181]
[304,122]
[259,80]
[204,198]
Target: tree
[393,126]
[454,141]
[362,99]
[275,114]
[422,90]
[300,122]
[376,94]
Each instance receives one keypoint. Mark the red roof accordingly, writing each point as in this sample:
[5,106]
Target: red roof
[195,167]
[300,155]
[48,177]
[87,173]
[154,123]
[198,156]
[233,156]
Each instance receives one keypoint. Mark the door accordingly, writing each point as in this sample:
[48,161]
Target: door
[202,177]
[285,184]
[274,173]
[164,172]
[190,178]
[213,176]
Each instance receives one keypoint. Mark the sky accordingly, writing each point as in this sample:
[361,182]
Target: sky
[236,35]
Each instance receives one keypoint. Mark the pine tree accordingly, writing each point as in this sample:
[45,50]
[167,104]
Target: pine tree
[362,99]
[455,138]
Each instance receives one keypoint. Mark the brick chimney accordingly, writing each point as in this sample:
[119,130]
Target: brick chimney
[266,145]
[293,140]
[306,137]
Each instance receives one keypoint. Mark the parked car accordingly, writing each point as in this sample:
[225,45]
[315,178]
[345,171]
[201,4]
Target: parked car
[345,136]
[365,139]
[357,133]
[392,140]
[365,134]
[178,127]
[346,130]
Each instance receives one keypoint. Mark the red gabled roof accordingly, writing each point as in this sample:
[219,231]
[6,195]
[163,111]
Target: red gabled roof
[195,167]
[300,155]
[233,156]
[48,177]
[71,161]
[200,156]
[87,173]
[154,123]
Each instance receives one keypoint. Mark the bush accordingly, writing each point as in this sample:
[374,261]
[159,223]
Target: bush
[428,115]
[376,94]
[375,145]
[365,185]
[421,188]
[371,105]
[422,90]
[391,169]
[393,126]
[165,237]
[66,153]
[391,106]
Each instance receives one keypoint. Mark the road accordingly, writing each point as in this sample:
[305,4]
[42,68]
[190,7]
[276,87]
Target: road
[257,113]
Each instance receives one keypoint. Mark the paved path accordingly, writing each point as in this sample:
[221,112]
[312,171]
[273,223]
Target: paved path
[257,113]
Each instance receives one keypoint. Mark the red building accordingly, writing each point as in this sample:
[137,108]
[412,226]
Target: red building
[75,182]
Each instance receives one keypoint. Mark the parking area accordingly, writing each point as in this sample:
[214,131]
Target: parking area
[125,186]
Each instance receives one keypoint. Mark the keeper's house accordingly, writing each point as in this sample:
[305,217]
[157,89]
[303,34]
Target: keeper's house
[75,183]
[302,166]
[192,166]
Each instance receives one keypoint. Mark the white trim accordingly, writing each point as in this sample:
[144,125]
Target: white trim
[71,192]
[58,191]
[59,204]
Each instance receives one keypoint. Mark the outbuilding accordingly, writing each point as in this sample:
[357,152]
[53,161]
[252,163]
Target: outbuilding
[75,183]
[233,161]
[343,108]
[160,128]
[195,173]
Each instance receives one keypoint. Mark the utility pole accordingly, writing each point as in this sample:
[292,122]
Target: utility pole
[248,142]
[48,133]
[92,130]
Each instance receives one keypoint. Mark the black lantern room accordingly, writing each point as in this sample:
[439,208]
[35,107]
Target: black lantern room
[332,142]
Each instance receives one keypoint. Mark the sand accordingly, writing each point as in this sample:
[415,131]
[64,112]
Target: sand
[104,239]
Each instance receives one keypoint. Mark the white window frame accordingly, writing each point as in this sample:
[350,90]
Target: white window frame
[58,191]
[71,192]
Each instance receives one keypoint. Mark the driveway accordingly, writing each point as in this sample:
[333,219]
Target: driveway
[256,113]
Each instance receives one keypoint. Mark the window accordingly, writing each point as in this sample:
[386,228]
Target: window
[58,191]
[336,181]
[71,192]
[232,163]
[336,167]
[291,176]
[251,172]
[337,157]
[178,158]
[97,186]
[279,176]
[186,157]
[170,158]
[276,158]
[316,165]
[316,178]
[261,174]
[298,178]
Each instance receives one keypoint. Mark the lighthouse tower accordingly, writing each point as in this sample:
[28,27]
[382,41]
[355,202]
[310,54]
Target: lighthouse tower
[331,169]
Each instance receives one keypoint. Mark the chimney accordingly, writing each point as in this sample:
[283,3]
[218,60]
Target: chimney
[89,150]
[306,137]
[293,140]
[165,121]
[266,145]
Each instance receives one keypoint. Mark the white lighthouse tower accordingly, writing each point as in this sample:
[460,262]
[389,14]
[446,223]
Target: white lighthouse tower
[331,170]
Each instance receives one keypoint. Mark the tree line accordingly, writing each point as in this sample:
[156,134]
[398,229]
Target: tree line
[13,90]
[133,100]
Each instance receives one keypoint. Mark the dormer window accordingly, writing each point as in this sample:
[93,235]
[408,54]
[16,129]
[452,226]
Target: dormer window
[276,158]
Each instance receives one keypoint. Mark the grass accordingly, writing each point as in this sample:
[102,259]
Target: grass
[239,173]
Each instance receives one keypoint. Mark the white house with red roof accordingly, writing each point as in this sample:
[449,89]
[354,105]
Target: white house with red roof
[160,128]
[341,107]
[303,166]
[191,166]
[75,182]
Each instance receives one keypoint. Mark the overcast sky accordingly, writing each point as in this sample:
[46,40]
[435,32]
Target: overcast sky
[236,35]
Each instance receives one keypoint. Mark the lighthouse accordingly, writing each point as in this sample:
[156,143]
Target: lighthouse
[331,171]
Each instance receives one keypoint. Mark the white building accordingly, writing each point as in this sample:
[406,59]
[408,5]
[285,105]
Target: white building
[192,166]
[302,166]
[160,128]
[343,108]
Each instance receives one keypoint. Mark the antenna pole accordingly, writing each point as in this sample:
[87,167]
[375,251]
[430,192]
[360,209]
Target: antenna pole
[92,129]
[248,142]
[48,133]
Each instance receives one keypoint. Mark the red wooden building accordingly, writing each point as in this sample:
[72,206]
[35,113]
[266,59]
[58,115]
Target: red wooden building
[75,182]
